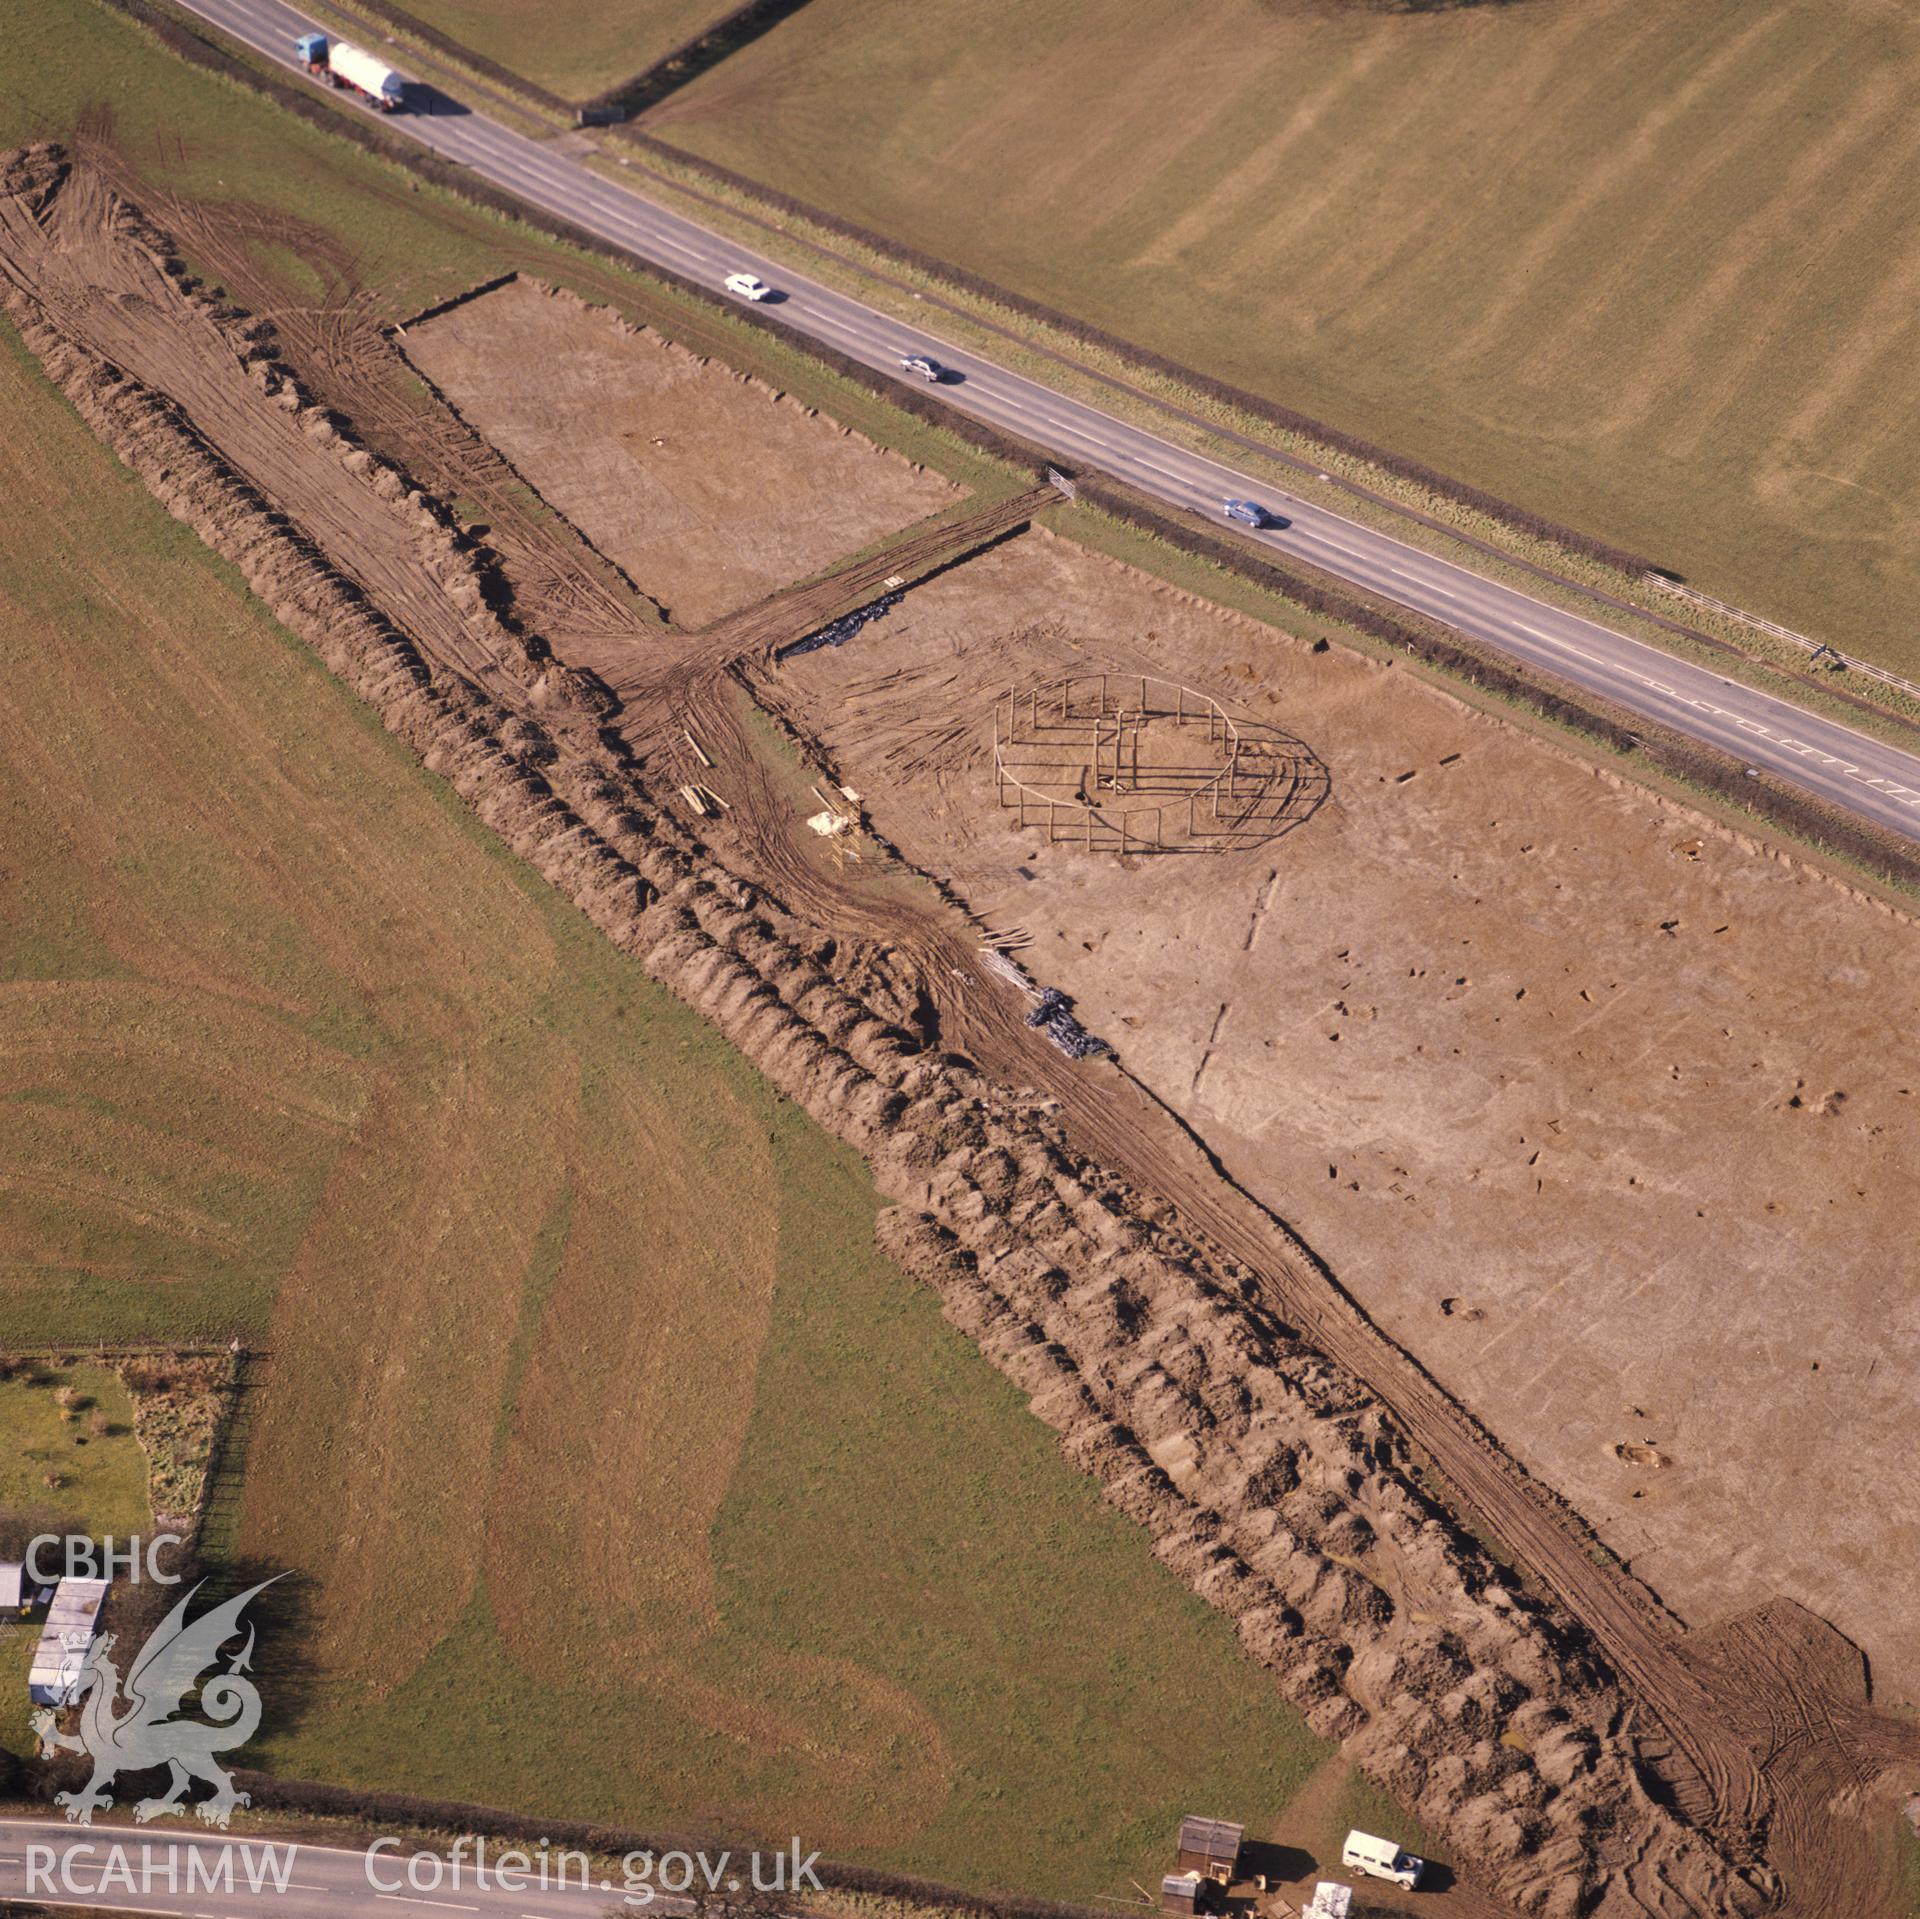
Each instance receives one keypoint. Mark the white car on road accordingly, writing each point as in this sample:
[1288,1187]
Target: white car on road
[748,286]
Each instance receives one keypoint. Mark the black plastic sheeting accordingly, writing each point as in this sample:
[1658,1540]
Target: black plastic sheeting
[839,632]
[1053,1016]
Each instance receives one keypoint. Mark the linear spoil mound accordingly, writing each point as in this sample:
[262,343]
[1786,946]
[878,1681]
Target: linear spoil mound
[1272,1481]
[1591,1148]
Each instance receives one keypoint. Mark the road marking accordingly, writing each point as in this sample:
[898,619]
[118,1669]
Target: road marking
[448,1905]
[564,187]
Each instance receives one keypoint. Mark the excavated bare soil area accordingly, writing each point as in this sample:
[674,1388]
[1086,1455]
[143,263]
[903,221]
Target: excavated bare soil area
[1613,1120]
[1215,1383]
[705,485]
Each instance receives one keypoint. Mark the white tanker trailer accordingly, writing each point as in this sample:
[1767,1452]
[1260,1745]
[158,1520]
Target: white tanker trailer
[343,66]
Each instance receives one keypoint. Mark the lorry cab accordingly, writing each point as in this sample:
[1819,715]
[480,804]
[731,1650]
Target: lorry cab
[1381,1859]
[311,51]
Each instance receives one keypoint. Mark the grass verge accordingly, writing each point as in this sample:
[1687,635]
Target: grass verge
[620,1476]
[1293,461]
[1292,199]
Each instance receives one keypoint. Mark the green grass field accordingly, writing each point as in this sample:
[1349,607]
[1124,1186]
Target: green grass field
[575,48]
[59,1473]
[54,1457]
[888,1669]
[621,1476]
[1651,271]
[17,1641]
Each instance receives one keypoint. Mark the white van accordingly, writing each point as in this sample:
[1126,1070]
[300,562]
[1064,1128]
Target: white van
[1381,1859]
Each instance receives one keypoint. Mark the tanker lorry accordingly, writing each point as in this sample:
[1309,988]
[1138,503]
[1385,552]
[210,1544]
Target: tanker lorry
[343,66]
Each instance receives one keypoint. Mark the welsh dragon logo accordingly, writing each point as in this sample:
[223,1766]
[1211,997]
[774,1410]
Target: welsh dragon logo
[130,1724]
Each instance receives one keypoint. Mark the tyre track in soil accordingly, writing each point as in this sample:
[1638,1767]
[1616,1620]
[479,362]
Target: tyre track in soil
[1787,1778]
[103,281]
[1800,1694]
[559,583]
[1741,1722]
[1776,1799]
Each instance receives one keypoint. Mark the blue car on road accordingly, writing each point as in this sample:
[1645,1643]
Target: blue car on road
[1246,512]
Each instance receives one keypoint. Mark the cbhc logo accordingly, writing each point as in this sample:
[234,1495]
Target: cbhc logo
[82,1558]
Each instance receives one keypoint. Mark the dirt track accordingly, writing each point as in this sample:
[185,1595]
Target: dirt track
[1574,1175]
[1166,1324]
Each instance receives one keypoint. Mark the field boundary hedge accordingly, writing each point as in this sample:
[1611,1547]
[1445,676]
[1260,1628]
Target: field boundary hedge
[1596,719]
[714,42]
[1772,799]
[104,1351]
[383,1812]
[1086,333]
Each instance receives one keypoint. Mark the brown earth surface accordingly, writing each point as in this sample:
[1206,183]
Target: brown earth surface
[1279,1450]
[704,485]
[1639,1194]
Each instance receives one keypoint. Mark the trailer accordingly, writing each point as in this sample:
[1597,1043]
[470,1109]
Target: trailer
[341,65]
[72,1624]
[1210,1847]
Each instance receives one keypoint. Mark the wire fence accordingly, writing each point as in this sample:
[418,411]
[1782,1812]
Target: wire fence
[1815,648]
